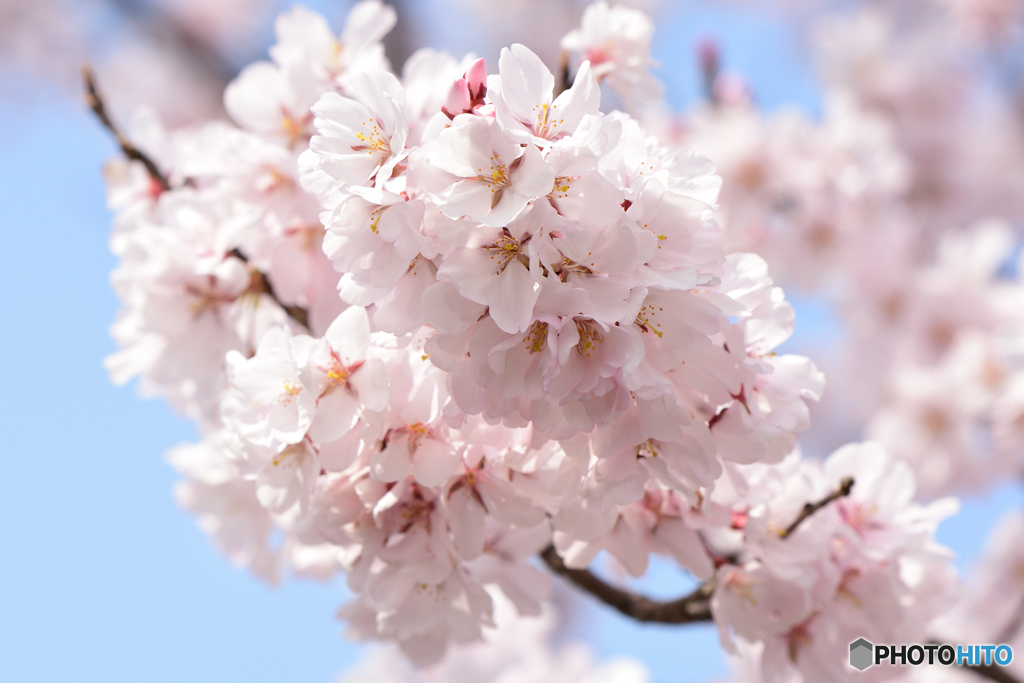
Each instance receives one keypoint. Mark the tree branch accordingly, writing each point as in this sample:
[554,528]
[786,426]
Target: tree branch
[260,284]
[843,490]
[95,102]
[992,673]
[695,607]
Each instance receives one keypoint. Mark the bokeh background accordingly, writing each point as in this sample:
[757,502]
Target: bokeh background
[102,577]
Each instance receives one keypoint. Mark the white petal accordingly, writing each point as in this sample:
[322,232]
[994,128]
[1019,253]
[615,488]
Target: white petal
[534,177]
[447,311]
[434,462]
[372,385]
[349,335]
[336,413]
[511,297]
[467,521]
[393,462]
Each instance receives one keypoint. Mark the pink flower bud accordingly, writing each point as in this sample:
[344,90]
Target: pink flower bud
[458,101]
[476,77]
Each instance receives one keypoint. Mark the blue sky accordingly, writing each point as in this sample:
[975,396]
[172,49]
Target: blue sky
[103,577]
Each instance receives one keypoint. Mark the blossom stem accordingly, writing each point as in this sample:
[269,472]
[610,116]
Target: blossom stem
[843,490]
[260,284]
[95,102]
[692,608]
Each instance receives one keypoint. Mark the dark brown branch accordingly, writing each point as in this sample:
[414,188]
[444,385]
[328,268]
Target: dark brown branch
[843,490]
[693,608]
[696,607]
[260,284]
[989,671]
[992,672]
[95,102]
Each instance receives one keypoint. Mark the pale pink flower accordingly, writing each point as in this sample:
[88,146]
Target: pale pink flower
[492,179]
[361,137]
[616,41]
[522,93]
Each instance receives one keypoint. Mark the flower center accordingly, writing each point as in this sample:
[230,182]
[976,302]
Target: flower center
[373,139]
[504,249]
[336,373]
[645,319]
[291,390]
[590,337]
[536,337]
[545,124]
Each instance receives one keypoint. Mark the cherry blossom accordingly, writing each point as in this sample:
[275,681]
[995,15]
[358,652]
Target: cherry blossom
[616,41]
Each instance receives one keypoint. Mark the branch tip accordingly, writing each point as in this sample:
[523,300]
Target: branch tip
[841,491]
[94,101]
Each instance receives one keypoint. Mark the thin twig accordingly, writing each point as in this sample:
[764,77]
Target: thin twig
[843,490]
[260,284]
[564,82]
[693,608]
[989,671]
[95,102]
[992,673]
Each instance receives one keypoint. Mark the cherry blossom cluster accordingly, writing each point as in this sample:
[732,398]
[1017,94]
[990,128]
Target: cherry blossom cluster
[866,566]
[433,326]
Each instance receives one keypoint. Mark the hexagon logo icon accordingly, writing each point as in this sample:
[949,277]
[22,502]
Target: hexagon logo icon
[861,654]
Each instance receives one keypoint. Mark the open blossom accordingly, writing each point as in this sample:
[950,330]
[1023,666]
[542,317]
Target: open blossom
[523,102]
[493,179]
[841,574]
[274,98]
[304,35]
[616,41]
[362,137]
[298,386]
